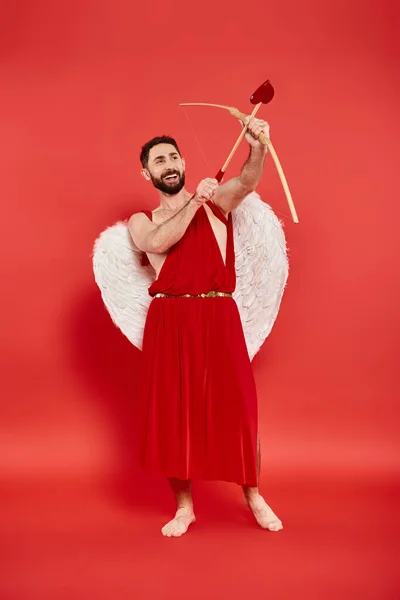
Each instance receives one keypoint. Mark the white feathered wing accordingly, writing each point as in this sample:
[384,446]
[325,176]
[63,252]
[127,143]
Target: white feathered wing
[261,267]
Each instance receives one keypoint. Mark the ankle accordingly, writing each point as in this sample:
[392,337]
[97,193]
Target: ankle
[185,509]
[251,494]
[185,503]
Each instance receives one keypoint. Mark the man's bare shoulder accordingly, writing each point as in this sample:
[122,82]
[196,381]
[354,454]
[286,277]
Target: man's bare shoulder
[136,218]
[139,226]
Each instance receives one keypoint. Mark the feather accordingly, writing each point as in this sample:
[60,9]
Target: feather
[261,274]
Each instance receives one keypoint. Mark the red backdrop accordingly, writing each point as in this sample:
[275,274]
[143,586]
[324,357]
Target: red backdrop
[83,85]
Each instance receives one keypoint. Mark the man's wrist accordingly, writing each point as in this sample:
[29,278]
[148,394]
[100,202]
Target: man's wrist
[194,201]
[259,151]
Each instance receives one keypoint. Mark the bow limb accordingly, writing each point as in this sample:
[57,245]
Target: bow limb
[234,111]
[283,181]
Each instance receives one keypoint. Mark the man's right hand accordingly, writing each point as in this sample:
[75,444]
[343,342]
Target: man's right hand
[205,190]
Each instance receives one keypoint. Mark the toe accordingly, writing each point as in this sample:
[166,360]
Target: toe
[275,526]
[166,530]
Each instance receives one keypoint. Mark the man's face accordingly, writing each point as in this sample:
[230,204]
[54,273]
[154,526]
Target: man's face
[166,169]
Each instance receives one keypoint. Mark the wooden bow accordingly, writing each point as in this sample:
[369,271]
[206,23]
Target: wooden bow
[262,138]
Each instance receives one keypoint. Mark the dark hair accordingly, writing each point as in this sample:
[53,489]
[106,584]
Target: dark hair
[163,139]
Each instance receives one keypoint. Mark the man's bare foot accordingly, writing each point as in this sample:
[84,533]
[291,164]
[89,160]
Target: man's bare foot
[263,514]
[180,523]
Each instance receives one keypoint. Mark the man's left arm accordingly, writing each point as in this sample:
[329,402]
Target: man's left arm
[230,194]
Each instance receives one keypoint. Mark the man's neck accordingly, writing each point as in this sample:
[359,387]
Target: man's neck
[176,202]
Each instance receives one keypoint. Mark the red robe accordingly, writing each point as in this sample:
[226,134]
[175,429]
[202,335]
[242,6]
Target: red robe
[199,394]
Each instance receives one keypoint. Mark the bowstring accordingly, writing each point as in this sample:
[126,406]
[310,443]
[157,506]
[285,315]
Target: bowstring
[197,140]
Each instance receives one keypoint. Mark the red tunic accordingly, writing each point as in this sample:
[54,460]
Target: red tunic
[199,390]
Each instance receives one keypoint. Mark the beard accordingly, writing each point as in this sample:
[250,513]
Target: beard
[169,188]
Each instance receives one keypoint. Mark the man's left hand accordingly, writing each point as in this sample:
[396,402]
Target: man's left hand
[254,128]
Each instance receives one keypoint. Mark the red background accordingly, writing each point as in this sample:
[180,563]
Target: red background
[83,85]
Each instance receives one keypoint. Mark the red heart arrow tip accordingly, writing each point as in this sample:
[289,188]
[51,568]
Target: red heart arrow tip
[263,94]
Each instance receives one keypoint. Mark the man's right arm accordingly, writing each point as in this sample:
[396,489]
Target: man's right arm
[158,239]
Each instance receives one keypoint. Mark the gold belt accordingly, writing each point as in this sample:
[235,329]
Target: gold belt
[209,295]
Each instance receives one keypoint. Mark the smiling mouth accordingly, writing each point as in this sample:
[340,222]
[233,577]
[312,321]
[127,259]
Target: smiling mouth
[171,178]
